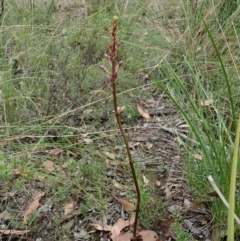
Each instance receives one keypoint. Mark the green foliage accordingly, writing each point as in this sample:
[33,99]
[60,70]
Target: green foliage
[181,234]
[5,169]
[130,114]
[227,10]
[151,207]
[49,72]
[192,81]
[233,187]
[88,204]
[92,171]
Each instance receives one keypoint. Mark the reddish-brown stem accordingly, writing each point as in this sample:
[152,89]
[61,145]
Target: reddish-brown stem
[118,118]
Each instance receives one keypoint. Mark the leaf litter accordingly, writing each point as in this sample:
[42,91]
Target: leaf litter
[33,206]
[152,147]
[49,165]
[169,181]
[116,233]
[68,207]
[143,112]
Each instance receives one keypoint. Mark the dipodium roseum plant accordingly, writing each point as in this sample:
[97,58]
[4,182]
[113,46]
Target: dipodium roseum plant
[111,78]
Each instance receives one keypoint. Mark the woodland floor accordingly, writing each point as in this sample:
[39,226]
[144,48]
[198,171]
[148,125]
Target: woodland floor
[156,145]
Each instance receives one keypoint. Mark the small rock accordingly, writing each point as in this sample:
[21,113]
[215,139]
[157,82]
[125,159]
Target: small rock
[81,235]
[5,216]
[175,209]
[110,155]
[122,194]
[187,203]
[190,226]
[109,173]
[45,208]
[39,239]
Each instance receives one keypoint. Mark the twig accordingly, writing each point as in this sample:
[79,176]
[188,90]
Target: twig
[222,197]
[177,133]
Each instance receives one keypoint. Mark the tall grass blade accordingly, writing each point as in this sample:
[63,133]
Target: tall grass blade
[225,74]
[230,230]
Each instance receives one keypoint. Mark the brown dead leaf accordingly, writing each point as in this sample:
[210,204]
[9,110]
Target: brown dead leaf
[99,93]
[114,163]
[145,235]
[102,227]
[67,164]
[70,215]
[48,165]
[17,172]
[13,231]
[142,111]
[124,236]
[198,156]
[68,207]
[149,235]
[72,153]
[207,102]
[213,194]
[118,185]
[107,161]
[55,151]
[116,228]
[120,109]
[32,206]
[87,140]
[129,207]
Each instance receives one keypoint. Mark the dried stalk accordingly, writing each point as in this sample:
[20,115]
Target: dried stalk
[111,78]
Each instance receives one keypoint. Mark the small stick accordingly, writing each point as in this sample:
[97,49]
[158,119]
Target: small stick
[222,197]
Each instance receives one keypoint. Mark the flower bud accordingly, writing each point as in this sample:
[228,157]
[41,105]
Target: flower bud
[108,80]
[115,75]
[103,68]
[117,69]
[119,65]
[107,57]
